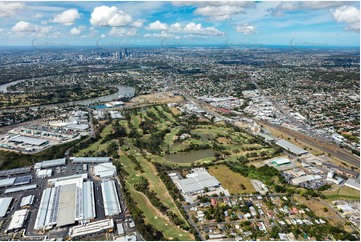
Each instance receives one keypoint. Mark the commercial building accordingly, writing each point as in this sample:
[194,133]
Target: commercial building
[20,189]
[4,205]
[53,163]
[44,173]
[69,201]
[92,228]
[332,178]
[7,182]
[291,147]
[18,219]
[82,160]
[15,171]
[197,182]
[88,201]
[281,161]
[110,198]
[105,170]
[19,139]
[304,179]
[27,201]
[22,180]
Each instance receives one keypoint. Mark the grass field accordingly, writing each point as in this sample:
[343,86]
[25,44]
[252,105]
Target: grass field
[346,193]
[96,146]
[152,215]
[231,180]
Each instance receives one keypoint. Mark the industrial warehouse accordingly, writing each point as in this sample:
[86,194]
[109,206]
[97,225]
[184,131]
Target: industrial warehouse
[196,182]
[79,195]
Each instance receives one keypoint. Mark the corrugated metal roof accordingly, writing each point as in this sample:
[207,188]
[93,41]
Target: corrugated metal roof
[20,189]
[88,200]
[66,212]
[51,163]
[7,182]
[198,181]
[90,159]
[43,209]
[18,219]
[15,171]
[28,140]
[291,147]
[4,205]
[28,200]
[110,198]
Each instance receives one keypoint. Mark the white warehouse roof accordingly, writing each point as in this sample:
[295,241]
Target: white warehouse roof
[4,205]
[28,200]
[20,189]
[197,181]
[52,163]
[28,140]
[91,228]
[291,147]
[105,170]
[7,182]
[18,219]
[88,201]
[90,159]
[110,198]
[44,173]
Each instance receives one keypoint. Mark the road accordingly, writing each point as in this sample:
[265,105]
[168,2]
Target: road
[322,145]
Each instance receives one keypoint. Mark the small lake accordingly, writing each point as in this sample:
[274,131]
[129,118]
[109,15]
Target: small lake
[190,156]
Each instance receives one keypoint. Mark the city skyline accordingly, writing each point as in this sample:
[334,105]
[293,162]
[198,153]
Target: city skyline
[301,24]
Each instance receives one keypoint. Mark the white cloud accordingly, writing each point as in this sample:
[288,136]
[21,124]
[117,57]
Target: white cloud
[175,27]
[137,24]
[193,28]
[163,35]
[308,5]
[77,30]
[9,9]
[219,10]
[110,16]
[348,15]
[219,13]
[157,25]
[246,29]
[122,31]
[23,27]
[68,17]
[38,15]
[190,28]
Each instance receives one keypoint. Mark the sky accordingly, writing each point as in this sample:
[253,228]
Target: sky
[180,23]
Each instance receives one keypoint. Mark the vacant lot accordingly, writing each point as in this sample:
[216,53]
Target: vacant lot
[231,180]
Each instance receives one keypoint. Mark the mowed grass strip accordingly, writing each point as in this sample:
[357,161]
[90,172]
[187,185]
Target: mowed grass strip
[152,216]
[156,184]
[97,145]
[231,180]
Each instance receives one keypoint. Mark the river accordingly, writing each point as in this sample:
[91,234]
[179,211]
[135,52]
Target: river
[122,90]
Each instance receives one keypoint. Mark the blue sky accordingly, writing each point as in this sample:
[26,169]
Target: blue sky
[180,23]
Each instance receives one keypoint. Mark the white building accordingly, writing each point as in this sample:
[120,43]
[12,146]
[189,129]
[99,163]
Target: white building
[18,219]
[44,173]
[105,170]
